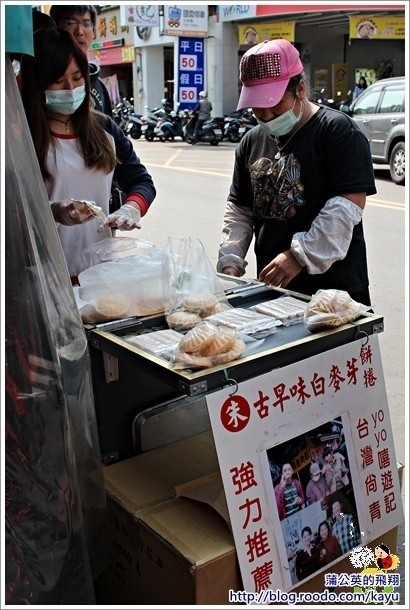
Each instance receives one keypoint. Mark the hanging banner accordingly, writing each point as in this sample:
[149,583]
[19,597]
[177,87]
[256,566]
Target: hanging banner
[276,435]
[389,27]
[185,20]
[191,71]
[251,34]
[139,15]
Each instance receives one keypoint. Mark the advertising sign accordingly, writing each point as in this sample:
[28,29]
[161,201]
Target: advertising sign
[251,34]
[191,71]
[185,20]
[139,15]
[276,435]
[390,27]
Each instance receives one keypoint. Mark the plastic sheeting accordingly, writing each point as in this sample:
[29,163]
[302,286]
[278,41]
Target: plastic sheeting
[54,491]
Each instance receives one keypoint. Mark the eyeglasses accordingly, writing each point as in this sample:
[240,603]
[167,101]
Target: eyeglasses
[87,24]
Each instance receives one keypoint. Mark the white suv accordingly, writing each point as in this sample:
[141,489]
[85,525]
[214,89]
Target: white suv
[379,112]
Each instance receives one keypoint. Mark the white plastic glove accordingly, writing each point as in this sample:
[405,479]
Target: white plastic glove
[125,219]
[72,212]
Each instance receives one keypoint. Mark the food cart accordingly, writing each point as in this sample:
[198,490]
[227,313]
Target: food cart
[128,381]
[151,415]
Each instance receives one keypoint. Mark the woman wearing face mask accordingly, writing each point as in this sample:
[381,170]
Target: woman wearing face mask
[299,185]
[79,149]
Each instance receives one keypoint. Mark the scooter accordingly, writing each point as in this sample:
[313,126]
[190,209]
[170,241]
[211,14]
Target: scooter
[133,125]
[149,122]
[170,127]
[211,130]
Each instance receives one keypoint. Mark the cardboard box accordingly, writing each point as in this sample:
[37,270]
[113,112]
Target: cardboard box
[168,550]
[165,550]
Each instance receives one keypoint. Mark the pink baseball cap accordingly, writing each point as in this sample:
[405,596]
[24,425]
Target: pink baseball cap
[265,71]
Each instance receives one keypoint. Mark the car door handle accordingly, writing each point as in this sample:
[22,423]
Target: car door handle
[394,121]
[365,121]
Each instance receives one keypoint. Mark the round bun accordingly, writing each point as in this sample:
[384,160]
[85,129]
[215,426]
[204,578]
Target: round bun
[183,319]
[199,302]
[198,338]
[112,306]
[220,343]
[236,350]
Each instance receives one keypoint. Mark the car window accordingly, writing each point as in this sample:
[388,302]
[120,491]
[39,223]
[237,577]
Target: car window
[392,101]
[367,102]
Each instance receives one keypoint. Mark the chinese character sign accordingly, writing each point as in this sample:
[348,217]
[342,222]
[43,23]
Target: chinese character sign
[308,464]
[185,20]
[191,73]
[139,15]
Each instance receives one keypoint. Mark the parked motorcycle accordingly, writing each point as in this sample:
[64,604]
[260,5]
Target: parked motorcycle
[125,116]
[237,126]
[170,126]
[211,131]
[149,121]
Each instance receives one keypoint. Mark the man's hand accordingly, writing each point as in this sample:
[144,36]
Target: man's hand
[281,270]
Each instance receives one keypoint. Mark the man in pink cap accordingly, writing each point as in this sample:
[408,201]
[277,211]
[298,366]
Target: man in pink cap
[300,182]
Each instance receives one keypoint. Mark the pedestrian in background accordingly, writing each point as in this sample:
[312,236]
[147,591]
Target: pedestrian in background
[299,185]
[359,87]
[79,149]
[204,109]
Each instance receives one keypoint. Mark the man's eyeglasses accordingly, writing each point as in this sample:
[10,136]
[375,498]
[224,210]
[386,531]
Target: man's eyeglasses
[73,23]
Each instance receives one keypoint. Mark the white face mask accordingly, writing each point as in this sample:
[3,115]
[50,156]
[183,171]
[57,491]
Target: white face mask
[65,101]
[283,124]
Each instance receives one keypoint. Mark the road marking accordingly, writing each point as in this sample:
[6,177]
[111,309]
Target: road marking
[378,203]
[382,203]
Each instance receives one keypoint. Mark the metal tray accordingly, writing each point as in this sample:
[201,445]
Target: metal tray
[289,344]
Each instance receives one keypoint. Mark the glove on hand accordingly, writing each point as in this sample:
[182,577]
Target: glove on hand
[125,219]
[71,212]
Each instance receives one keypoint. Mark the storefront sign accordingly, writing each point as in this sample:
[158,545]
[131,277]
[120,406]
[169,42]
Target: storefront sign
[191,58]
[334,403]
[234,12]
[139,14]
[112,56]
[251,34]
[185,20]
[389,27]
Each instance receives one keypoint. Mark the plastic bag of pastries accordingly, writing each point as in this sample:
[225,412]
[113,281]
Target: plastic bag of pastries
[192,289]
[331,308]
[208,345]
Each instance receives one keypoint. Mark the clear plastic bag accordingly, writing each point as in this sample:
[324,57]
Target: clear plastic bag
[208,345]
[192,289]
[131,286]
[331,308]
[114,248]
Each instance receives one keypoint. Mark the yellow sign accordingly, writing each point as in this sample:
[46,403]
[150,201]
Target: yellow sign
[339,81]
[251,34]
[366,28]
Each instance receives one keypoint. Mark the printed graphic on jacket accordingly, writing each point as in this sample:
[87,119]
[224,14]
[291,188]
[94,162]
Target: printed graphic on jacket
[277,187]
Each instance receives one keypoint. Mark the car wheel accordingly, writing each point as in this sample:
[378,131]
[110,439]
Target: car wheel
[398,163]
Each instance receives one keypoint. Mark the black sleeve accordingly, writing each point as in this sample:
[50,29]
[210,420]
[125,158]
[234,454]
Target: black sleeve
[131,175]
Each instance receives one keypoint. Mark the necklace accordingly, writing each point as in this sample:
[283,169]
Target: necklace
[66,123]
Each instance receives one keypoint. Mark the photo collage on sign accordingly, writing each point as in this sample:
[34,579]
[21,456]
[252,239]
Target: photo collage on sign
[313,498]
